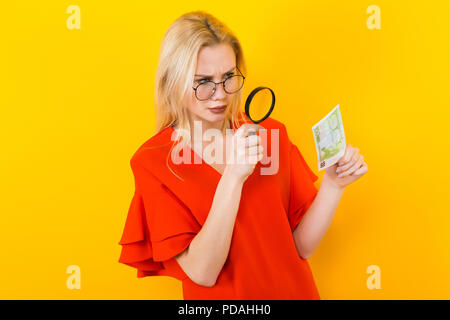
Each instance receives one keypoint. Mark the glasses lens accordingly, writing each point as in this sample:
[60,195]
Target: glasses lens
[205,90]
[234,83]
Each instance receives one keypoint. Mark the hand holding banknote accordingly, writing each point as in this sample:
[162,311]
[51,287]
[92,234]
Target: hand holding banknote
[349,168]
[343,163]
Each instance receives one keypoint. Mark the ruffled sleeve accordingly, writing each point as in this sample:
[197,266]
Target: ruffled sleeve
[157,228]
[302,188]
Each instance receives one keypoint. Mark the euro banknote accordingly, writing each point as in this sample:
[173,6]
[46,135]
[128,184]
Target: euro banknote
[329,137]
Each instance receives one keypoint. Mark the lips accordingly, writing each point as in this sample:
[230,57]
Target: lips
[219,107]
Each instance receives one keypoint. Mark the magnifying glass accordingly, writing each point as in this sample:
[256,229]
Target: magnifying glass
[260,105]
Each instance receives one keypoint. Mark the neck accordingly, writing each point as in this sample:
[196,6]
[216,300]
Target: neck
[206,125]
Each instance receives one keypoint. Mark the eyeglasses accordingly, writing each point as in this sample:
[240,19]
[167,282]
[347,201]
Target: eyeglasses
[232,84]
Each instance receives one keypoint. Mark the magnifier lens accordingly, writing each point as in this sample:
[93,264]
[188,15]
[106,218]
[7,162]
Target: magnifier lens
[260,105]
[262,101]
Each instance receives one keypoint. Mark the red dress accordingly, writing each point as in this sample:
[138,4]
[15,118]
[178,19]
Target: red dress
[166,213]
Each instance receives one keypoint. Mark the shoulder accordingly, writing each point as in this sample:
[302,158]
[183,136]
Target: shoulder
[272,124]
[153,152]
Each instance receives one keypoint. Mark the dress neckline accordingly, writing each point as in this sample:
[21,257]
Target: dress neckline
[195,154]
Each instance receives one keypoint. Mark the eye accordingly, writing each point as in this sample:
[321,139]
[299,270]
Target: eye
[229,74]
[202,80]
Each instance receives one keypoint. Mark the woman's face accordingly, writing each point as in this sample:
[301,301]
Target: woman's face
[214,63]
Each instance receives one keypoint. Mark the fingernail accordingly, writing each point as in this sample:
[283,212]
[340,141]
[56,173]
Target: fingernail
[339,175]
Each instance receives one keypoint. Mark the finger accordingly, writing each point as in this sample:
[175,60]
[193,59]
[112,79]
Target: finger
[241,131]
[362,170]
[254,150]
[352,169]
[260,156]
[341,160]
[246,127]
[253,141]
[349,164]
[349,152]
[252,132]
[253,156]
[241,136]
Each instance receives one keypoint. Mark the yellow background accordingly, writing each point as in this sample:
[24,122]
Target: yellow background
[76,104]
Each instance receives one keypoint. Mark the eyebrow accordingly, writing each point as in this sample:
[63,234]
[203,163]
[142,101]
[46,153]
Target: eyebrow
[204,75]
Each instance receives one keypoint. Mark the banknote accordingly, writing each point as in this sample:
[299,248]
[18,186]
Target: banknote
[329,137]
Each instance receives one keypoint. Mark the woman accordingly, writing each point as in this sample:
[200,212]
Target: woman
[222,227]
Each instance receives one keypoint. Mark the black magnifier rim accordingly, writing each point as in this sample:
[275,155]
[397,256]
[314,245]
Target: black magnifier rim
[249,100]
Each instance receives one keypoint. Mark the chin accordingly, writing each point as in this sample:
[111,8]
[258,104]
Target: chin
[213,118]
[216,118]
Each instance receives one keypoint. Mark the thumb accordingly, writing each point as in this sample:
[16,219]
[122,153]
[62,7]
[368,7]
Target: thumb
[240,131]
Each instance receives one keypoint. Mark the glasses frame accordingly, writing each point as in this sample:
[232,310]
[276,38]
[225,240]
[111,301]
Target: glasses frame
[223,85]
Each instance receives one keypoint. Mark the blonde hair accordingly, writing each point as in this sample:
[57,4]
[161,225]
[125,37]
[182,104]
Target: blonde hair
[177,65]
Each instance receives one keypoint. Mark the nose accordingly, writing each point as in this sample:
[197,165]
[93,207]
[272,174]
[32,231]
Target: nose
[220,93]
